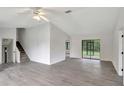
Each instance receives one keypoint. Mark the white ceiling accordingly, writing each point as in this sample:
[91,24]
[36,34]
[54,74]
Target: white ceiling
[10,17]
[81,20]
[88,20]
[13,18]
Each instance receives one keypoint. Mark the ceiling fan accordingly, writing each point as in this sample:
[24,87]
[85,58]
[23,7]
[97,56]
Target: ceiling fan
[37,12]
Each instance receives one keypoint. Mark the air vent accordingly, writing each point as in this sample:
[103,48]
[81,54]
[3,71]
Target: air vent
[68,11]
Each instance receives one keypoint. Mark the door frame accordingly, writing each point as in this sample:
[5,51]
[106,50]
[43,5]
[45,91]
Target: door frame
[120,52]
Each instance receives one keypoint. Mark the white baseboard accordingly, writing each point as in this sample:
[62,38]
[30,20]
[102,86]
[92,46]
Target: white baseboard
[51,63]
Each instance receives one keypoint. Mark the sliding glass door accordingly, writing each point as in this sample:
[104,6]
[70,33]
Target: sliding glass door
[91,49]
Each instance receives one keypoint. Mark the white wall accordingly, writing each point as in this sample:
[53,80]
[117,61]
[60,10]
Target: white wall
[44,43]
[36,42]
[120,22]
[105,43]
[17,38]
[117,49]
[7,33]
[57,44]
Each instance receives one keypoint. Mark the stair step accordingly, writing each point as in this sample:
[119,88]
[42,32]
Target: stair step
[23,55]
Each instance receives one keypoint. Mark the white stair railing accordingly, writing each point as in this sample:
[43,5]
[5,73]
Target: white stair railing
[17,56]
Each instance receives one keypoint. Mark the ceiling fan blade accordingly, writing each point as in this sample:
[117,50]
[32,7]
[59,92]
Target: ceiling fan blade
[24,11]
[44,18]
[35,8]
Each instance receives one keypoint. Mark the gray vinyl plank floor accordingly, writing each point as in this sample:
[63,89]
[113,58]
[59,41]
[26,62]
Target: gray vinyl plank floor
[72,72]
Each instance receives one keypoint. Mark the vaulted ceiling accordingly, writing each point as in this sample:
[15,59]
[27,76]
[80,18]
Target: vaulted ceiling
[80,20]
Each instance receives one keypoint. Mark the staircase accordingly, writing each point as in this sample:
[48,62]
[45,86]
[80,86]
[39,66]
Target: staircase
[23,55]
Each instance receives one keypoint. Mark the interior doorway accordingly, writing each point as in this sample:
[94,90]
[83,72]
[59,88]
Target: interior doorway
[6,54]
[67,44]
[91,49]
[7,50]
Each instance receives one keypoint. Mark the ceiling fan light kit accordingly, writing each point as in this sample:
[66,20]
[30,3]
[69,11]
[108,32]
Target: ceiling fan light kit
[39,15]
